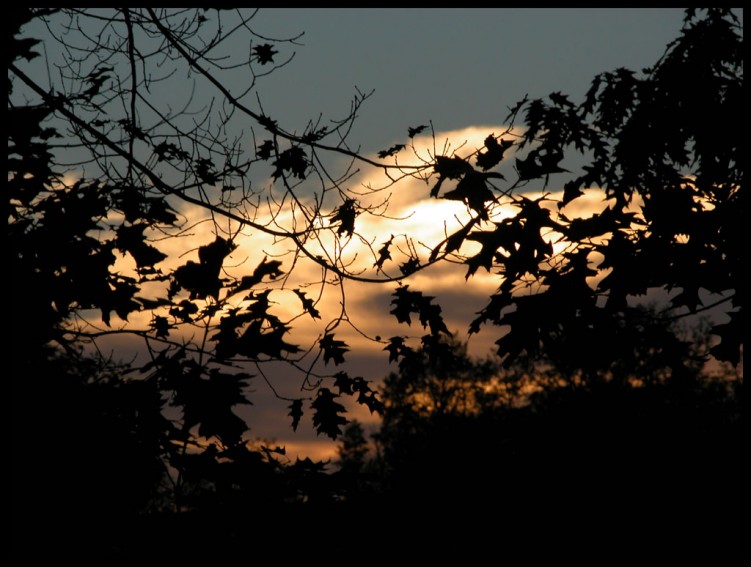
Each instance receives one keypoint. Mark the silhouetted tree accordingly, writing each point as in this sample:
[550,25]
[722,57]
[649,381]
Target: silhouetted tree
[353,448]
[650,446]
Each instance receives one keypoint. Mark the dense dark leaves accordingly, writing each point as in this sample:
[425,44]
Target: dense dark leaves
[659,227]
[516,244]
[731,339]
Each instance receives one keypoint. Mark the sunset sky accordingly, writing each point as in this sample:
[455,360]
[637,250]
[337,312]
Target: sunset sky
[459,70]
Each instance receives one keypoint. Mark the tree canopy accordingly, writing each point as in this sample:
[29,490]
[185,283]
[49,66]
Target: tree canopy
[131,201]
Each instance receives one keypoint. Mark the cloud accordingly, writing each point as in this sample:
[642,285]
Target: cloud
[362,309]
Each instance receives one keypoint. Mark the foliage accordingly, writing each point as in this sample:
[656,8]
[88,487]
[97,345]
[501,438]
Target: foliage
[642,453]
[109,170]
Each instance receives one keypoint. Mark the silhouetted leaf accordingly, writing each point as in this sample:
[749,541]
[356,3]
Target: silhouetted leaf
[406,301]
[184,310]
[539,164]
[393,150]
[384,253]
[395,347]
[343,381]
[161,326]
[265,150]
[202,279]
[266,269]
[410,266]
[326,413]
[560,99]
[295,412]
[307,304]
[345,215]
[333,349]
[413,131]
[131,239]
[292,159]
[473,190]
[208,401]
[493,153]
[448,168]
[265,53]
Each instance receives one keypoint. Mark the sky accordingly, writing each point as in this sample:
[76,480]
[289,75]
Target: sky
[456,67]
[459,69]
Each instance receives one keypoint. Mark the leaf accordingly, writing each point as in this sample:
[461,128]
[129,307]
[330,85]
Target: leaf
[395,348]
[131,239]
[406,301]
[307,304]
[268,123]
[393,150]
[448,168]
[333,349]
[208,401]
[266,269]
[384,253]
[343,381]
[453,242]
[504,236]
[202,279]
[369,399]
[265,150]
[412,132]
[161,326]
[560,99]
[326,413]
[256,341]
[345,215]
[265,53]
[292,159]
[184,310]
[314,135]
[295,412]
[473,190]
[494,152]
[539,163]
[410,266]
